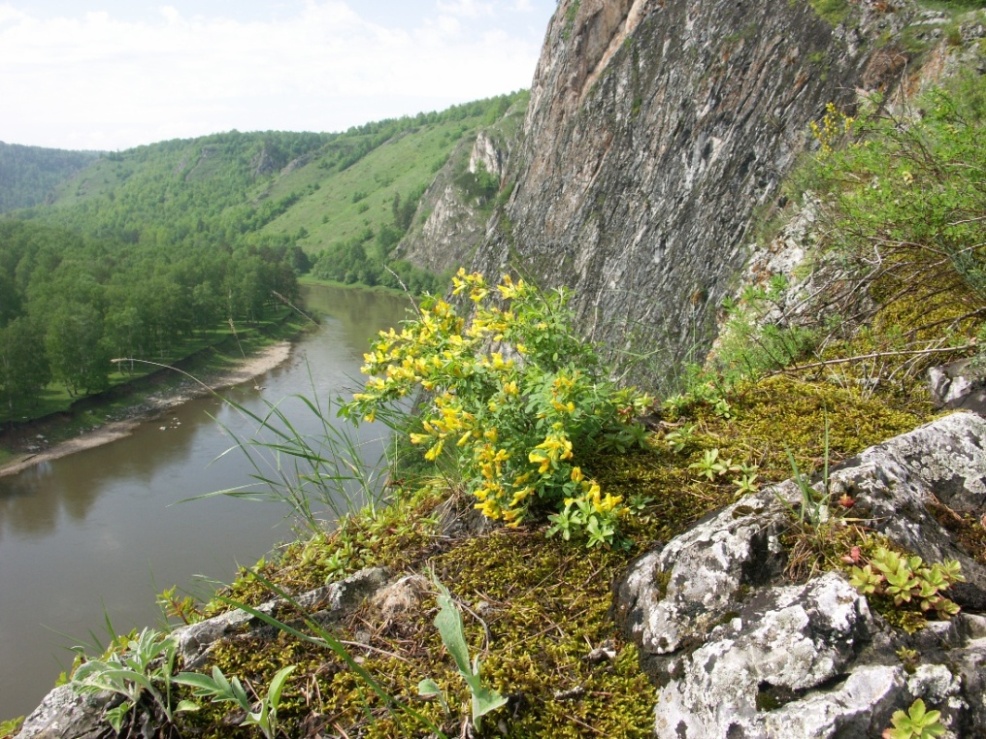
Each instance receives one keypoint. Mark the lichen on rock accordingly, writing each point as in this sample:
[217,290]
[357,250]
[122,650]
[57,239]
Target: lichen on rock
[737,651]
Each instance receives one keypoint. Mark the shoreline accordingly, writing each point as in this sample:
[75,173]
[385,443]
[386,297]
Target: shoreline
[252,367]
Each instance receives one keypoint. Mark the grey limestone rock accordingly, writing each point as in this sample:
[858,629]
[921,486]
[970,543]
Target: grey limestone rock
[323,604]
[65,715]
[959,385]
[739,652]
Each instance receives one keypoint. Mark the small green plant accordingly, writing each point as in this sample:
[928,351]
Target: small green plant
[814,508]
[722,409]
[712,466]
[143,670]
[220,689]
[516,397]
[917,723]
[11,726]
[181,607]
[746,483]
[451,629]
[581,516]
[681,438]
[908,657]
[907,580]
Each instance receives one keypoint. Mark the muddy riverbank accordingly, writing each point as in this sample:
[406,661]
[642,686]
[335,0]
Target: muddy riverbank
[32,443]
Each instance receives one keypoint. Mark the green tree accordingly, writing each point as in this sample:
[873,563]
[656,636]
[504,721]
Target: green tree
[74,345]
[24,369]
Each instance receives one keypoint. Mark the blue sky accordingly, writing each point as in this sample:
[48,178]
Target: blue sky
[114,74]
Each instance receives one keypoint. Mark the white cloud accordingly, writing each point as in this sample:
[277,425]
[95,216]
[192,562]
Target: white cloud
[466,8]
[95,80]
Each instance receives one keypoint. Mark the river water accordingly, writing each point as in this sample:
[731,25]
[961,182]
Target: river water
[94,536]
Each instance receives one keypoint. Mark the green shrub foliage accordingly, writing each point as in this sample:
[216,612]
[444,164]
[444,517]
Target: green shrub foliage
[516,401]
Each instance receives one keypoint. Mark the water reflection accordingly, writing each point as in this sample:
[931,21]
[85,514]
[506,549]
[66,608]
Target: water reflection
[101,532]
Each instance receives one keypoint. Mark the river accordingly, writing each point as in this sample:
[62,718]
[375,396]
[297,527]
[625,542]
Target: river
[91,538]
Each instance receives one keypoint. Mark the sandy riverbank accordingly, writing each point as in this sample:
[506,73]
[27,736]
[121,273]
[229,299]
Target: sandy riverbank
[250,368]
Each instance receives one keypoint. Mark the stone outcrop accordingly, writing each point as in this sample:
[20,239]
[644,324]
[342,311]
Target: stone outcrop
[456,225]
[737,650]
[65,715]
[734,647]
[655,129]
[959,385]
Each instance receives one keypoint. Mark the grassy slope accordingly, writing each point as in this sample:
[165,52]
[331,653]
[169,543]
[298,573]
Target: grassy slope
[401,166]
[325,206]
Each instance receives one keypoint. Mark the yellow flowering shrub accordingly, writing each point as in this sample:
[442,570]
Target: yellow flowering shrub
[515,399]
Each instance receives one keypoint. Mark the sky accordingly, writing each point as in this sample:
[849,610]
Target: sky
[114,74]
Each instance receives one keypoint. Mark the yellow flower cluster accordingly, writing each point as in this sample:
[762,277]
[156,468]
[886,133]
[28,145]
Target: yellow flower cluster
[506,396]
[589,490]
[833,125]
[555,448]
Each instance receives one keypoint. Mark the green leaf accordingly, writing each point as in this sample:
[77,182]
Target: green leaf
[115,716]
[428,688]
[277,685]
[448,621]
[483,701]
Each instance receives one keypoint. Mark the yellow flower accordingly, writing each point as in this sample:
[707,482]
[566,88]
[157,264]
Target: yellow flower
[540,458]
[520,496]
[508,289]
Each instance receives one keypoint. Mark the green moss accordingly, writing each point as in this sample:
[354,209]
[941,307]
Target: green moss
[9,728]
[966,528]
[833,12]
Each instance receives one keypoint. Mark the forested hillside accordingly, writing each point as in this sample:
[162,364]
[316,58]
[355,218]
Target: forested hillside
[29,174]
[155,251]
[71,303]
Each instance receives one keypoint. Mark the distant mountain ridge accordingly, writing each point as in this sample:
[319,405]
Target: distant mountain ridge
[29,174]
[347,199]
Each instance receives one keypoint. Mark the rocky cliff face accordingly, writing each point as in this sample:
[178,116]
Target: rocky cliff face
[453,220]
[452,229]
[656,129]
